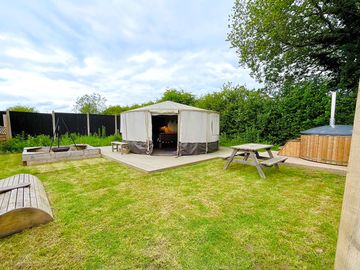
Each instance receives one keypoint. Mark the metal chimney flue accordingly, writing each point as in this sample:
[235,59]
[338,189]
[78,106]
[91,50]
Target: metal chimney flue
[333,106]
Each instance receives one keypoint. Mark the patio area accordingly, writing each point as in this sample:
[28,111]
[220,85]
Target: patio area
[154,163]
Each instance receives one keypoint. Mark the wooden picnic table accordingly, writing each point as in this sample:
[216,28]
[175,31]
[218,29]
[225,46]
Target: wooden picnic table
[250,152]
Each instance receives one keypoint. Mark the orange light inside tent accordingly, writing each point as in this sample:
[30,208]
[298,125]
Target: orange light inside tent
[166,130]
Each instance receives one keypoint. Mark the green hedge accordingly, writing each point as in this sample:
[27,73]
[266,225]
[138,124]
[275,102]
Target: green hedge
[259,116]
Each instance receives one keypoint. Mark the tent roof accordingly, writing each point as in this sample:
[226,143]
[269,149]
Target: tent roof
[168,106]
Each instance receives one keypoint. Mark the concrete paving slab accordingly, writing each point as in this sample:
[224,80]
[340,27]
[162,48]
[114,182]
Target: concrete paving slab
[299,162]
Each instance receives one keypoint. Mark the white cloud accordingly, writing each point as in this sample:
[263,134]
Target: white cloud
[127,51]
[36,88]
[148,56]
[54,56]
[142,78]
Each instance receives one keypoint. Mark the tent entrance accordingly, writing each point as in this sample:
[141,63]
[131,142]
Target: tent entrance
[165,134]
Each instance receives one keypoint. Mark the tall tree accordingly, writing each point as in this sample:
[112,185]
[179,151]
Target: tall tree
[21,108]
[115,109]
[179,96]
[281,39]
[93,103]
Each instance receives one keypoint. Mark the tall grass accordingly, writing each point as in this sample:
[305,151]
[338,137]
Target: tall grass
[18,143]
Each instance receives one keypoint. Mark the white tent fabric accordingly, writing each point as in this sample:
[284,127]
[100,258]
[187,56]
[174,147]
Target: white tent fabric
[136,126]
[214,127]
[193,126]
[198,129]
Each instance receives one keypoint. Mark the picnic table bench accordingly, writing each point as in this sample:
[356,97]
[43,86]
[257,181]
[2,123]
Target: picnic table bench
[124,147]
[23,204]
[251,150]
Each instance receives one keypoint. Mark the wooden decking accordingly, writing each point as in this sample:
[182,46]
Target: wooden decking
[23,204]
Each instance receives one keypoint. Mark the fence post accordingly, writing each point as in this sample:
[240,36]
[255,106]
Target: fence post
[88,123]
[5,126]
[53,121]
[8,125]
[116,131]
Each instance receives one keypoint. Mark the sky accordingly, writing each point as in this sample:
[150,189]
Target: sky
[52,52]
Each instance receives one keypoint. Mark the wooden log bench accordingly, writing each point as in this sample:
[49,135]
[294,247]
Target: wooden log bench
[23,204]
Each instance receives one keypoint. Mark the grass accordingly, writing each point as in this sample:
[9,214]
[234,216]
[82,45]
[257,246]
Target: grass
[195,217]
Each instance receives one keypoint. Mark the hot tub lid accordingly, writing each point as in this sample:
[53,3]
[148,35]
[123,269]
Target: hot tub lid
[338,130]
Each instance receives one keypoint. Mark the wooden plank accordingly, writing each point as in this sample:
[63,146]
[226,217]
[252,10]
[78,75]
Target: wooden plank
[320,146]
[347,149]
[20,192]
[5,202]
[271,157]
[330,147]
[2,196]
[244,162]
[33,198]
[273,161]
[340,154]
[325,147]
[230,159]
[252,147]
[8,188]
[39,193]
[26,193]
[335,150]
[257,164]
[13,194]
[238,154]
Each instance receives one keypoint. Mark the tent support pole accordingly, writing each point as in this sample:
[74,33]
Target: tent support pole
[178,136]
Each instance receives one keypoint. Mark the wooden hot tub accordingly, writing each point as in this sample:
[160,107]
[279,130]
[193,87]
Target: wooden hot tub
[326,144]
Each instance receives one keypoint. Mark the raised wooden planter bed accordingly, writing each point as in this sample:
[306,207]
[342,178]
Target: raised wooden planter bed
[39,155]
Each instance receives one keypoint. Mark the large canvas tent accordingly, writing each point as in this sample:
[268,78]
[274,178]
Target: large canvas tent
[197,130]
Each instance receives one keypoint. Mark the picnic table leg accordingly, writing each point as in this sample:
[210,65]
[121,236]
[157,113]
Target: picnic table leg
[230,159]
[257,165]
[246,156]
[272,156]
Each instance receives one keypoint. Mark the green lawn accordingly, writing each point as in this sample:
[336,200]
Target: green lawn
[195,217]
